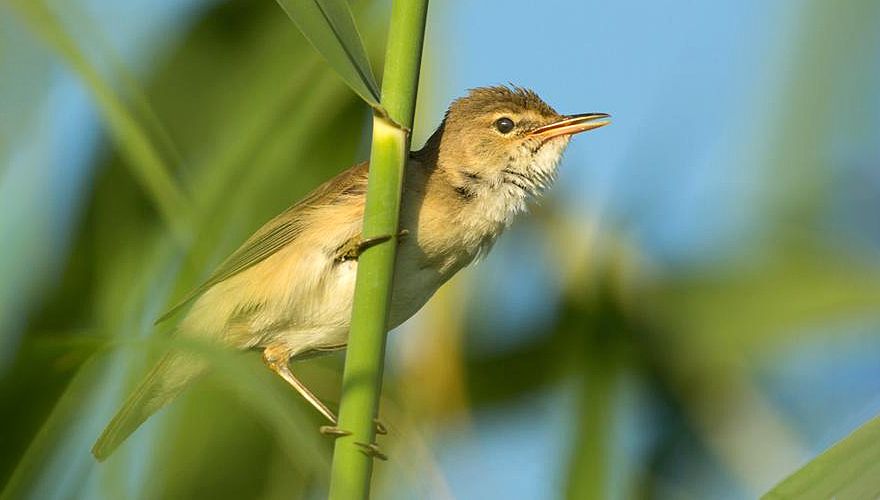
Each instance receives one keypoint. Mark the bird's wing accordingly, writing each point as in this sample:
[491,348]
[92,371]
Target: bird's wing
[278,232]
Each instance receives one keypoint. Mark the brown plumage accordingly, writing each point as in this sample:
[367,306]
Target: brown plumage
[288,289]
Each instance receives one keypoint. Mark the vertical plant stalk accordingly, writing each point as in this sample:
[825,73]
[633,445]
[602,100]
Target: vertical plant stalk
[364,361]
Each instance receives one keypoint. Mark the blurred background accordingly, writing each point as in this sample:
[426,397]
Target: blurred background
[692,312]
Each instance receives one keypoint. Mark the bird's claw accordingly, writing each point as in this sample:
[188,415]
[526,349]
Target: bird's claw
[333,431]
[372,450]
[369,242]
[380,427]
[353,248]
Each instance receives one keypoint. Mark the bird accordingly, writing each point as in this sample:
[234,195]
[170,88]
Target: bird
[288,290]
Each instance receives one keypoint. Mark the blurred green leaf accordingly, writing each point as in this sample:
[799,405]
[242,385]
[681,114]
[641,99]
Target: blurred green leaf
[329,26]
[849,469]
[55,451]
[61,446]
[756,307]
[131,135]
[84,29]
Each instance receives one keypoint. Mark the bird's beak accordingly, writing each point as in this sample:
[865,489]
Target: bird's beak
[572,124]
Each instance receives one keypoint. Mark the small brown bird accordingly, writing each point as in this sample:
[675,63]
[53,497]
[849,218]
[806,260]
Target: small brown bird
[288,289]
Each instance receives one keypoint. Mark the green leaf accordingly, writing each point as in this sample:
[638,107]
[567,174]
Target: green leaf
[849,469]
[56,450]
[329,26]
[774,301]
[130,133]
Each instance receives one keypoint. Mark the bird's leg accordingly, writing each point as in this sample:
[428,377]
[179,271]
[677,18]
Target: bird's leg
[353,248]
[277,359]
[278,363]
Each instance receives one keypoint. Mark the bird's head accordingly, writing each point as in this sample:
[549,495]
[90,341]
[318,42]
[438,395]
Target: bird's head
[505,141]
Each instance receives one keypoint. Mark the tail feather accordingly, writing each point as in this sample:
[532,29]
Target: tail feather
[162,384]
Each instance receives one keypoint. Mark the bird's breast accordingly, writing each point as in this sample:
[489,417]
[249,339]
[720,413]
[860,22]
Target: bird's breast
[419,271]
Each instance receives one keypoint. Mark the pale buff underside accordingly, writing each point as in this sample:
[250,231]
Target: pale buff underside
[301,297]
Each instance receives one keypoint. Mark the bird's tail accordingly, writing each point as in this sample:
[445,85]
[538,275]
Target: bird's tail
[164,382]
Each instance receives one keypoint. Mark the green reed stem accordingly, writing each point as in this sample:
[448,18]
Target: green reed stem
[364,361]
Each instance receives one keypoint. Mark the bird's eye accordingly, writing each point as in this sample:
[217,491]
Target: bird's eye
[504,125]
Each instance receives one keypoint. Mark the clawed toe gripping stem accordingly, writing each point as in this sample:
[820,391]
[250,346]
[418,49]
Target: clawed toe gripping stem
[353,249]
[372,450]
[335,431]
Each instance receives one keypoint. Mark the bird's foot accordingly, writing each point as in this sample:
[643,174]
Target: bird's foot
[333,431]
[353,248]
[380,427]
[372,450]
